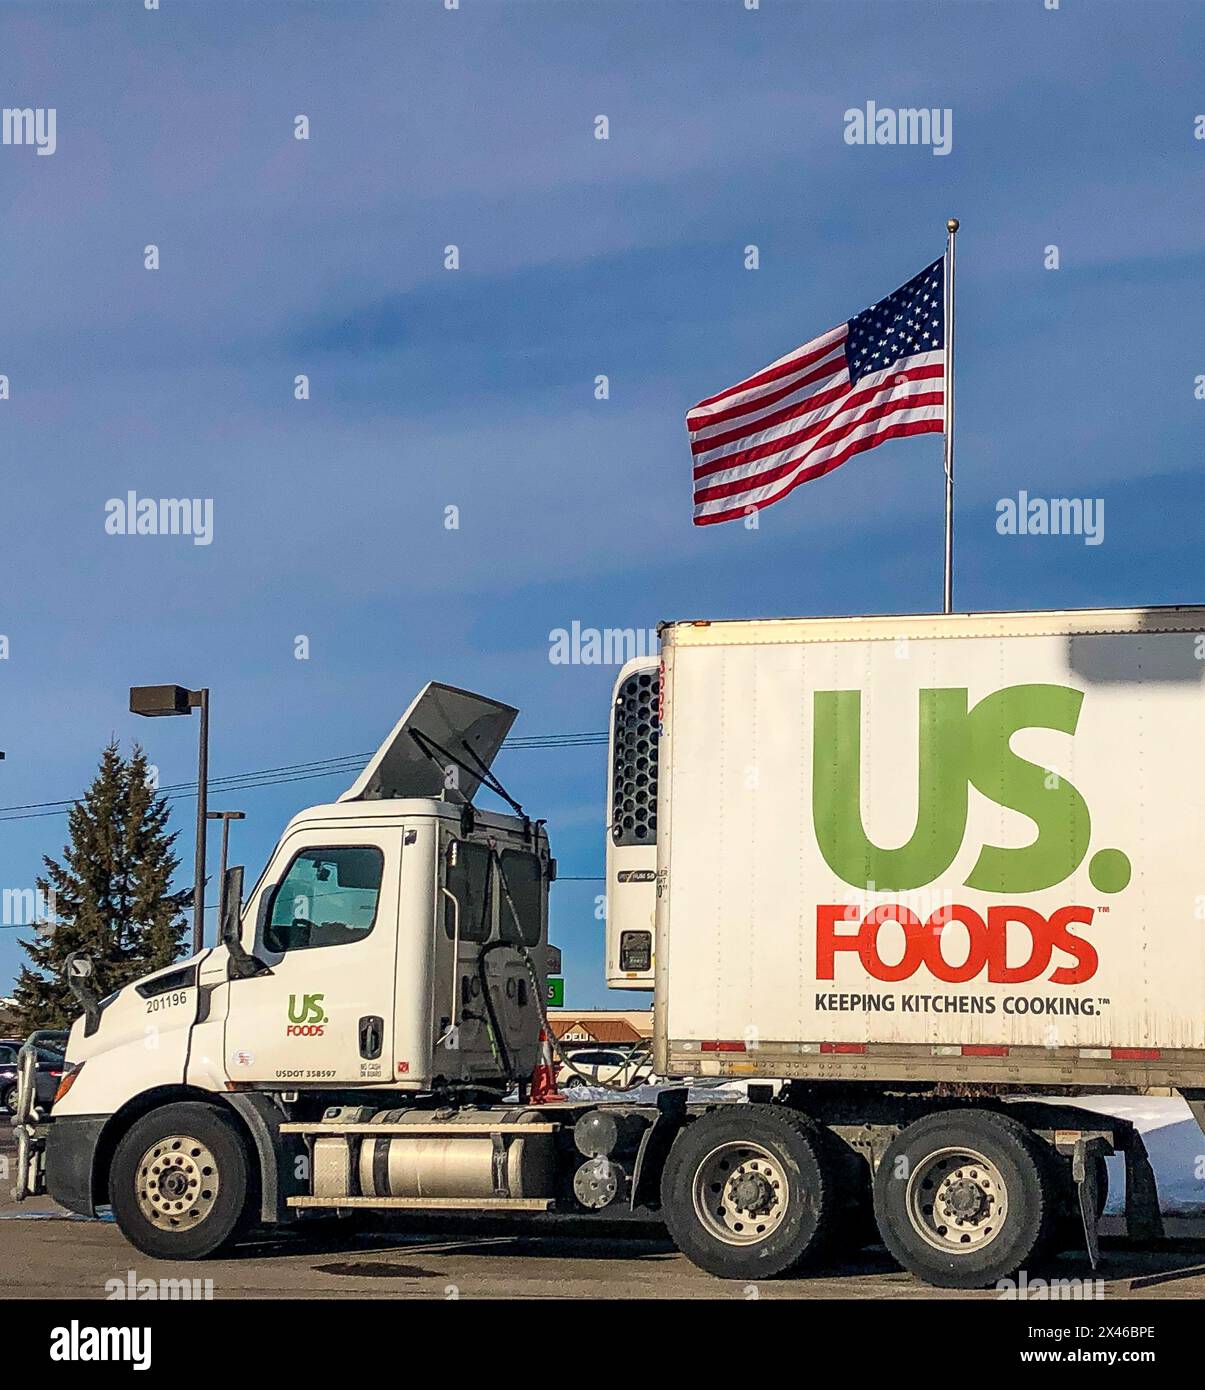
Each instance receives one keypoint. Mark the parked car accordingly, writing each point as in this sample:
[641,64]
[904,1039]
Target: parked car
[49,1073]
[606,1066]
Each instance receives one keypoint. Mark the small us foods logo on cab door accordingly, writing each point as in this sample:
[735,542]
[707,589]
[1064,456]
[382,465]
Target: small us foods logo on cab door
[307,1017]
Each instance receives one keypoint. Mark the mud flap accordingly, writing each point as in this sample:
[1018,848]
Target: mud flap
[1084,1174]
[1144,1221]
[655,1145]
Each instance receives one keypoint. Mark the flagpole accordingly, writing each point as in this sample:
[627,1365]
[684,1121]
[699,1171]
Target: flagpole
[948,397]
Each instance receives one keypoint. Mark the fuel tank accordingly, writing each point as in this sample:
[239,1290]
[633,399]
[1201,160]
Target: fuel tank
[453,1165]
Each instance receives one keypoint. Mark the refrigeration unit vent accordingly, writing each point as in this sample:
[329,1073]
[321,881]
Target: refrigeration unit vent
[634,771]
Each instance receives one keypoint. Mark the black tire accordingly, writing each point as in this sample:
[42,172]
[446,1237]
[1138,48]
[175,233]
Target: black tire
[788,1163]
[8,1100]
[972,1250]
[199,1143]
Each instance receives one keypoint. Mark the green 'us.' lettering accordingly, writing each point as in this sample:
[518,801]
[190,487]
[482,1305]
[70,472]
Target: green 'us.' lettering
[310,1009]
[959,748]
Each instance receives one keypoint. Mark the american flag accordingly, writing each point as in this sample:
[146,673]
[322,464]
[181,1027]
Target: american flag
[877,377]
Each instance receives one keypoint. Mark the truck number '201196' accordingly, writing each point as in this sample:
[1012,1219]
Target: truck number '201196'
[166,1001]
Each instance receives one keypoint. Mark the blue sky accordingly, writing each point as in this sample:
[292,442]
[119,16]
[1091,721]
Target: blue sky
[475,388]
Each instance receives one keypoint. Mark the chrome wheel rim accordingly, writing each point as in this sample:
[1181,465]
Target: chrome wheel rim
[957,1201]
[178,1183]
[740,1193]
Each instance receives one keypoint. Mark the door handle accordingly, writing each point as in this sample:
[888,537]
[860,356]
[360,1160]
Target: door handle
[372,1036]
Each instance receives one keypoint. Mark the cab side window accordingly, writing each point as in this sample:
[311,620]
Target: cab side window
[521,916]
[328,897]
[469,879]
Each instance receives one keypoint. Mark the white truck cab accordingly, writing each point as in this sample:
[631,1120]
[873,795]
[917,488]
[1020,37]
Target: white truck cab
[396,944]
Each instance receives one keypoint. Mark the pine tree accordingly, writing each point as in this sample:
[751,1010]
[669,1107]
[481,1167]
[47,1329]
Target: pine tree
[153,907]
[111,893]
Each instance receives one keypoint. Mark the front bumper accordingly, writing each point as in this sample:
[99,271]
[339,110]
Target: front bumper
[70,1161]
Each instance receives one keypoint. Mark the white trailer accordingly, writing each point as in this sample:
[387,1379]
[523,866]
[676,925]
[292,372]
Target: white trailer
[885,870]
[967,844]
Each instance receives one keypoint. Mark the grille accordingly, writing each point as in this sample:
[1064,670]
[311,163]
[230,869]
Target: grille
[634,774]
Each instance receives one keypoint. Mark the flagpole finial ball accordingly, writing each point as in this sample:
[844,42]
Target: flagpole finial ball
[952,224]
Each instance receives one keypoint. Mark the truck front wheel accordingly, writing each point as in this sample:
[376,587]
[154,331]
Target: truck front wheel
[180,1184]
[748,1191]
[964,1199]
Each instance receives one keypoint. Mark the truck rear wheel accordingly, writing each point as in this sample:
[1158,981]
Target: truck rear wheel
[180,1183]
[748,1191]
[965,1198]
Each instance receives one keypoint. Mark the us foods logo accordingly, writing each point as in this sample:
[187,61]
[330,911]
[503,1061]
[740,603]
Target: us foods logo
[960,747]
[307,1019]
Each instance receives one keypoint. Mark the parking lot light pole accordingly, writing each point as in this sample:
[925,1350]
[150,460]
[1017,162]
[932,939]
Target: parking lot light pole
[157,701]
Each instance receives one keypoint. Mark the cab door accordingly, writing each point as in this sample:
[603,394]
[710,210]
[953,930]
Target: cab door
[463,1045]
[325,926]
[522,922]
[482,929]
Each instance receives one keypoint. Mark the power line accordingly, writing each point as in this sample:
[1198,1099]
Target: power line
[294,772]
[213,907]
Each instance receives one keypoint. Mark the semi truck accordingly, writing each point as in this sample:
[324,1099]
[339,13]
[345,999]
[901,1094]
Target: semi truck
[915,883]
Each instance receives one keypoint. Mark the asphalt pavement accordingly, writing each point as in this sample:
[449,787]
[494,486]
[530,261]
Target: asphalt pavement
[45,1253]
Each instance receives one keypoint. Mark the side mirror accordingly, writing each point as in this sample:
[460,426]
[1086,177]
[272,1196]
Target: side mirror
[79,966]
[242,965]
[80,972]
[231,905]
